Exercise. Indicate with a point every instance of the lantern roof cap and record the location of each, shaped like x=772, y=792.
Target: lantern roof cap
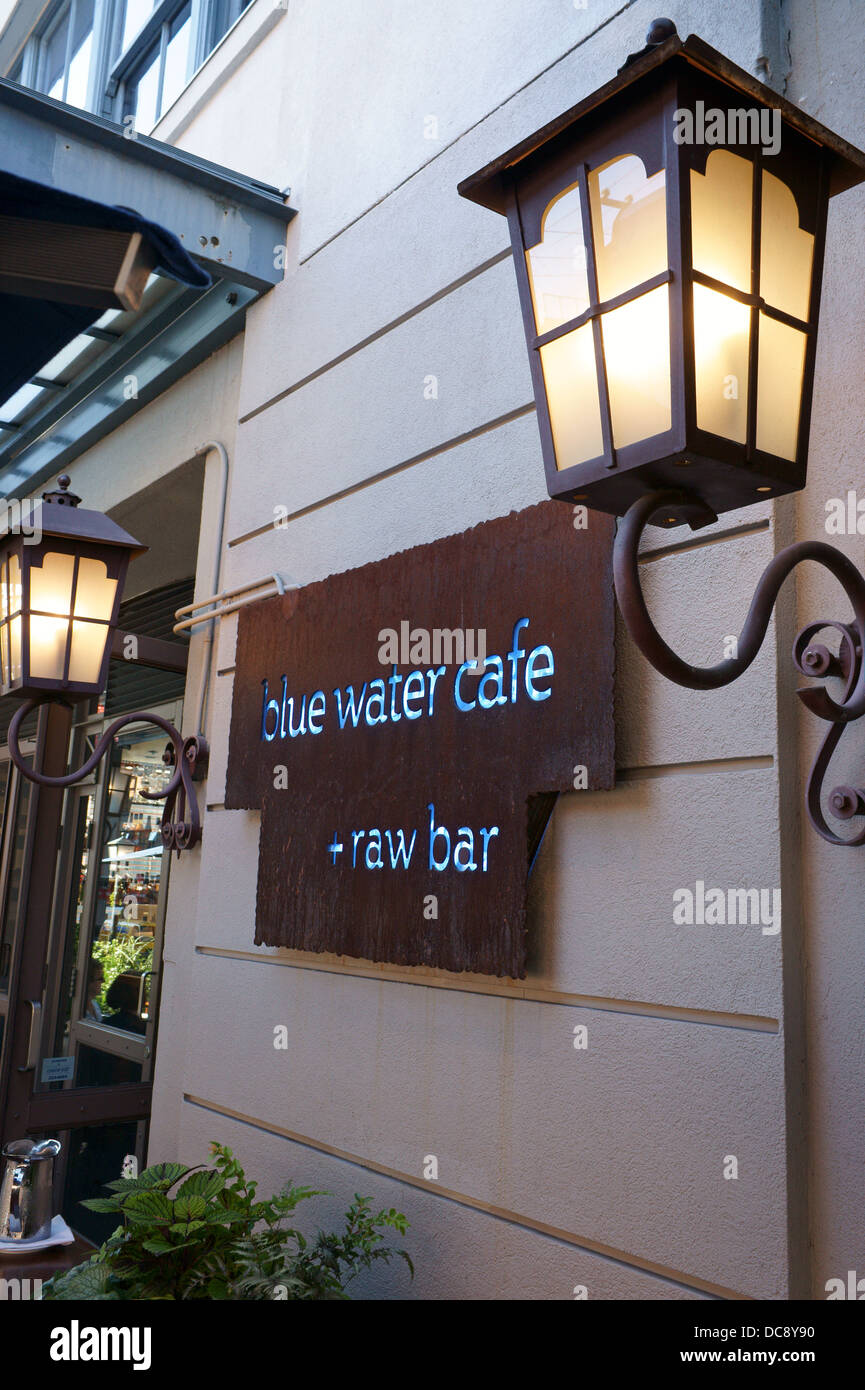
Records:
x=847, y=167
x=60, y=516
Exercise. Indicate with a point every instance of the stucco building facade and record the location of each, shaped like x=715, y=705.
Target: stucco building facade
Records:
x=378, y=397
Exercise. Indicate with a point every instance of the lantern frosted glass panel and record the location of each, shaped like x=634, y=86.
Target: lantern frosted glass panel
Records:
x=51, y=584
x=48, y=647
x=636, y=340
x=722, y=329
x=779, y=387
x=50, y=594
x=786, y=251
x=571, y=382
x=86, y=651
x=629, y=224
x=557, y=264
x=721, y=202
x=94, y=591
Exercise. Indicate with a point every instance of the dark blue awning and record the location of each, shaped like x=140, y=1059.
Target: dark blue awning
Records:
x=33, y=330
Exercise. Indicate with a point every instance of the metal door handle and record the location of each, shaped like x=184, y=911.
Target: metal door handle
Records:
x=142, y=989
x=35, y=1034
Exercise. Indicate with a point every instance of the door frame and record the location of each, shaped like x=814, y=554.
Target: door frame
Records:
x=40, y=933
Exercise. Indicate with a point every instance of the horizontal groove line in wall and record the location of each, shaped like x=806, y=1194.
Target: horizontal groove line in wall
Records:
x=756, y=762
x=391, y=472
x=748, y=528
x=609, y=19
x=379, y=333
x=227, y=671
x=591, y=1247
x=523, y=994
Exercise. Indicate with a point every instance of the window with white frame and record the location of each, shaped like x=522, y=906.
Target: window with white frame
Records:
x=125, y=59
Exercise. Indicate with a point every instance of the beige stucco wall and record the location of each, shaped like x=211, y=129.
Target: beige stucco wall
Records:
x=557, y=1168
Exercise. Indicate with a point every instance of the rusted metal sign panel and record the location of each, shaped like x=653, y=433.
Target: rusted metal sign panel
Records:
x=393, y=776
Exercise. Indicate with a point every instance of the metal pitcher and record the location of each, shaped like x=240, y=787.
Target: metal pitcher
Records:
x=27, y=1189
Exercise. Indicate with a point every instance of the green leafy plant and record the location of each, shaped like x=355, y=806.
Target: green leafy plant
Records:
x=122, y=954
x=200, y=1233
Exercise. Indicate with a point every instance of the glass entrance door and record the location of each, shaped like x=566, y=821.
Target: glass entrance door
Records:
x=108, y=1023
x=83, y=886
x=99, y=1040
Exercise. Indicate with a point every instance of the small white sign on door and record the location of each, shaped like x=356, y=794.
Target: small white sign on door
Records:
x=58, y=1068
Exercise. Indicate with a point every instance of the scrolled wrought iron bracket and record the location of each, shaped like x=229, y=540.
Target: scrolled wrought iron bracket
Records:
x=810, y=657
x=181, y=823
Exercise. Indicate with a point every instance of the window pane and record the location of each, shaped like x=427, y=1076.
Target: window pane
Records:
x=145, y=95
x=54, y=59
x=225, y=12
x=82, y=48
x=79, y=72
x=135, y=16
x=176, y=59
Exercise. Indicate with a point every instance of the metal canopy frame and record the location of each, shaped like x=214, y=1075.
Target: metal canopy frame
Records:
x=231, y=224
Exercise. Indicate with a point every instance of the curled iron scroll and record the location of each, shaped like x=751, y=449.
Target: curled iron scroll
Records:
x=814, y=659
x=811, y=658
x=181, y=824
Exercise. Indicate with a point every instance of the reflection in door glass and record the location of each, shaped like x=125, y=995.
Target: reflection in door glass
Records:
x=127, y=895
x=77, y=884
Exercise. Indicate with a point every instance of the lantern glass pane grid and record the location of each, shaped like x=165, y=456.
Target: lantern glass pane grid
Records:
x=722, y=212
x=59, y=599
x=686, y=182
x=572, y=281
x=71, y=603
x=10, y=621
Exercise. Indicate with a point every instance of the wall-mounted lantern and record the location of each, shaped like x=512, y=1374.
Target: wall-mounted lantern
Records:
x=61, y=584
x=668, y=239
x=60, y=598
